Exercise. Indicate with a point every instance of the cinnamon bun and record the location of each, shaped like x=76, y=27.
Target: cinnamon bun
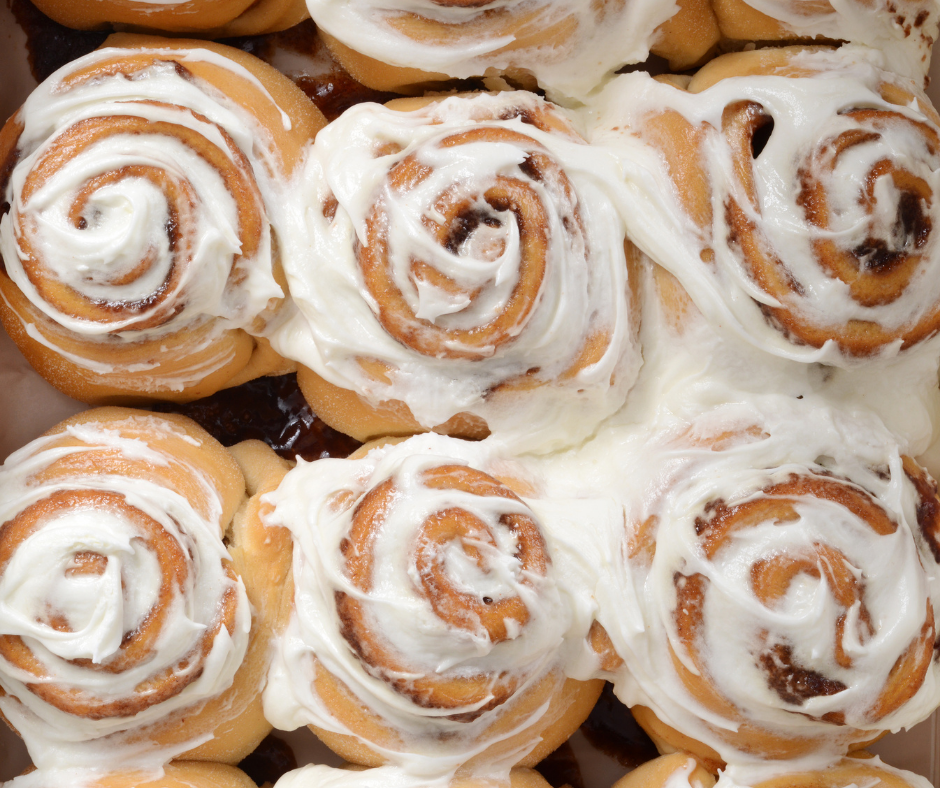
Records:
x=125, y=624
x=427, y=628
x=796, y=189
x=469, y=275
x=903, y=31
x=145, y=222
x=566, y=47
x=819, y=541
x=210, y=18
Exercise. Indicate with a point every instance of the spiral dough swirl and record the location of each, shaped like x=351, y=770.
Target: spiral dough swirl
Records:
x=145, y=226
x=473, y=263
x=120, y=606
x=423, y=584
x=811, y=185
x=827, y=649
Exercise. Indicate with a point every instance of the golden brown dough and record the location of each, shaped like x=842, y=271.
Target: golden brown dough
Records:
x=380, y=703
x=155, y=495
x=169, y=299
x=210, y=18
x=541, y=35
x=440, y=342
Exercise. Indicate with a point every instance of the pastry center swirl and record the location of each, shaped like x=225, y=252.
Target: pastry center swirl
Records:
x=114, y=212
x=787, y=566
x=455, y=260
x=476, y=565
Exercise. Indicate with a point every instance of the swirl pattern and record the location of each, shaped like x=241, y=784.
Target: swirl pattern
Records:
x=497, y=619
x=789, y=542
x=121, y=607
x=904, y=30
x=423, y=592
x=813, y=232
x=567, y=47
x=144, y=233
x=497, y=292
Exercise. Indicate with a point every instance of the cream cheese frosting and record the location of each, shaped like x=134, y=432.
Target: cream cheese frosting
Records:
x=160, y=229
x=655, y=456
x=819, y=651
x=904, y=31
x=841, y=99
x=492, y=320
x=75, y=621
x=698, y=383
x=588, y=40
x=496, y=558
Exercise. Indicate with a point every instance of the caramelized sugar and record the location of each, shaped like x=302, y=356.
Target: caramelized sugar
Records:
x=272, y=759
x=268, y=409
x=612, y=730
x=49, y=45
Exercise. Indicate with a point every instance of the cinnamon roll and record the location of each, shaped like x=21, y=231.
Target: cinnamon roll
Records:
x=811, y=533
x=567, y=47
x=145, y=220
x=125, y=624
x=865, y=770
x=212, y=19
x=358, y=777
x=469, y=275
x=179, y=774
x=428, y=628
x=796, y=188
x=903, y=30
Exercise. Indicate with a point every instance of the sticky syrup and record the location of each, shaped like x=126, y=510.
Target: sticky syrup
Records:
x=299, y=53
x=49, y=45
x=611, y=729
x=270, y=761
x=269, y=409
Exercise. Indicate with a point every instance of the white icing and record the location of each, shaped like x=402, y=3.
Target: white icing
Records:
x=125, y=220
x=806, y=111
x=887, y=26
x=433, y=745
x=681, y=777
x=100, y=608
x=591, y=498
x=584, y=289
x=317, y=776
x=736, y=776
x=603, y=37
x=705, y=378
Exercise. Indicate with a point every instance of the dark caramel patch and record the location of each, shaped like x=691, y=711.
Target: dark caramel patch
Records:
x=270, y=409
x=793, y=683
x=49, y=45
x=465, y=225
x=611, y=729
x=272, y=759
x=531, y=169
x=761, y=136
x=522, y=113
